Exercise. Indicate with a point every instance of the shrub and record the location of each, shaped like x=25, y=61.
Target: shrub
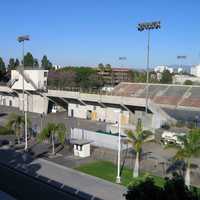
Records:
x=173, y=189
x=5, y=131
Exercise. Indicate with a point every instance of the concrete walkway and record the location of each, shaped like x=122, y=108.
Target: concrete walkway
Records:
x=80, y=181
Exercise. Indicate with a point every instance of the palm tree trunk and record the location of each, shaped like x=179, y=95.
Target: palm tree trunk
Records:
x=53, y=145
x=136, y=167
x=187, y=174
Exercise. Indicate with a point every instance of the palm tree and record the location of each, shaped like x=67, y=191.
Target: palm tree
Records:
x=16, y=124
x=137, y=138
x=52, y=131
x=189, y=148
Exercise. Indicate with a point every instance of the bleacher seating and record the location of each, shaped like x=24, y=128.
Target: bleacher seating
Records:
x=172, y=95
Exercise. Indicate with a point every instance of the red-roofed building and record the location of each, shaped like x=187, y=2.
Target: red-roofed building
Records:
x=113, y=76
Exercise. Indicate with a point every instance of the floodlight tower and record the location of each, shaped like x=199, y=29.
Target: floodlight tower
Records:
x=143, y=27
x=122, y=58
x=181, y=58
x=22, y=39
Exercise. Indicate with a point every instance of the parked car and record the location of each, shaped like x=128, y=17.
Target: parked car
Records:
x=169, y=137
x=54, y=109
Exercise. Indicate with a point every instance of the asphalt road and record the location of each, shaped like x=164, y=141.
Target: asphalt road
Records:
x=61, y=117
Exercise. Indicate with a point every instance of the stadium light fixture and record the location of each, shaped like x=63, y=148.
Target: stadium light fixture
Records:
x=22, y=39
x=148, y=26
x=181, y=57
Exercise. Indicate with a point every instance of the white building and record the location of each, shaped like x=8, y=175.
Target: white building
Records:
x=57, y=67
x=35, y=86
x=195, y=70
x=162, y=68
x=33, y=79
x=81, y=147
x=180, y=79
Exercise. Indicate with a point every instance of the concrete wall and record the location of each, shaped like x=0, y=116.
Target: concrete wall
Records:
x=8, y=100
x=37, y=76
x=98, y=113
x=35, y=103
x=98, y=139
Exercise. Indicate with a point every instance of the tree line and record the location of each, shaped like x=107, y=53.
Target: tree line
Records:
x=29, y=62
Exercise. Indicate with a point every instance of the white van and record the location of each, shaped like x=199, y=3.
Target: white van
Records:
x=54, y=109
x=169, y=137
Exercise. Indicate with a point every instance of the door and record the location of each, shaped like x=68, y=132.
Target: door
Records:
x=72, y=113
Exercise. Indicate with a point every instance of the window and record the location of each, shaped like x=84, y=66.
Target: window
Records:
x=45, y=74
x=94, y=108
x=10, y=103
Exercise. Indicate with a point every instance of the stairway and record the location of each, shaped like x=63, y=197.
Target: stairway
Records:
x=27, y=78
x=12, y=82
x=157, y=109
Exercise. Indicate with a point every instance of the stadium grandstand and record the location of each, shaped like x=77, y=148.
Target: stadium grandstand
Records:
x=180, y=101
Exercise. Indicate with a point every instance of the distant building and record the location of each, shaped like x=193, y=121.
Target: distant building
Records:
x=57, y=67
x=180, y=69
x=113, y=76
x=162, y=68
x=180, y=79
x=195, y=70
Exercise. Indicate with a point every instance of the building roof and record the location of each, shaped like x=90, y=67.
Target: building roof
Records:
x=121, y=69
x=80, y=142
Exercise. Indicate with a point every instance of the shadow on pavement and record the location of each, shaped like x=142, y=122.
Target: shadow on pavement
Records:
x=19, y=178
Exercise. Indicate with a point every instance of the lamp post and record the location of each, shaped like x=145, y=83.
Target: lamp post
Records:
x=142, y=27
x=22, y=39
x=182, y=57
x=122, y=58
x=118, y=178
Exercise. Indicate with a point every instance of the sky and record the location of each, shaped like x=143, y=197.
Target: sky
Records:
x=89, y=32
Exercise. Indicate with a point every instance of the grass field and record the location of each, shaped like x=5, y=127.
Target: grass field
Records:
x=106, y=170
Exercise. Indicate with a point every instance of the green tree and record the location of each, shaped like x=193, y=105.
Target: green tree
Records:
x=108, y=67
x=16, y=124
x=28, y=60
x=51, y=132
x=46, y=64
x=5, y=131
x=173, y=189
x=190, y=148
x=17, y=63
x=11, y=64
x=137, y=138
x=139, y=77
x=188, y=82
x=166, y=77
x=101, y=67
x=36, y=64
x=2, y=69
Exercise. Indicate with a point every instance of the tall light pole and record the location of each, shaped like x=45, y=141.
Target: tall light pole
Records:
x=118, y=178
x=122, y=58
x=22, y=39
x=182, y=57
x=142, y=27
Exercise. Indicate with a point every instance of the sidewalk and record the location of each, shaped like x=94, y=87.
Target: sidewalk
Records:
x=80, y=181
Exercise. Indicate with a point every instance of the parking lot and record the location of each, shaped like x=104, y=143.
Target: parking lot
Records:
x=39, y=121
